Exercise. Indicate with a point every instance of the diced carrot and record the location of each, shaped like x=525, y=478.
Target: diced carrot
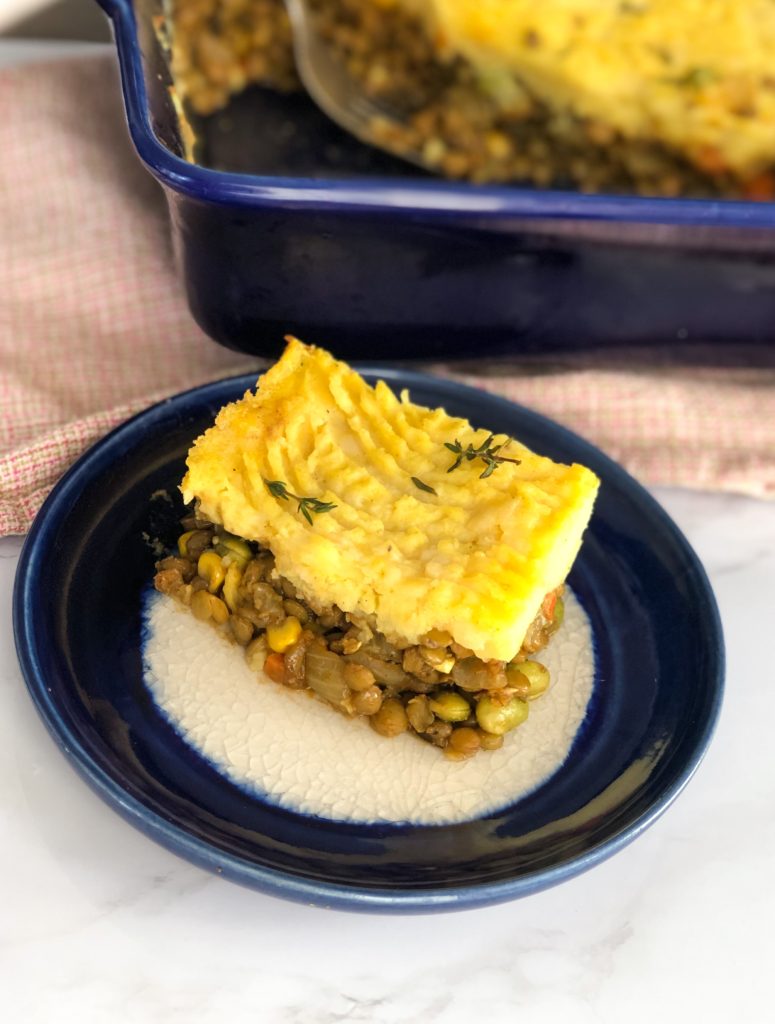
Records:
x=761, y=188
x=711, y=160
x=549, y=604
x=274, y=666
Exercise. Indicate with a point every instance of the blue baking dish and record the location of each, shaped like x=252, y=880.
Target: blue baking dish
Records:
x=377, y=261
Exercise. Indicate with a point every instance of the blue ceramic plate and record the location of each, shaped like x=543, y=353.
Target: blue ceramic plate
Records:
x=659, y=648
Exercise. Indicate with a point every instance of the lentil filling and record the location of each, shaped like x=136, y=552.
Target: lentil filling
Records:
x=436, y=690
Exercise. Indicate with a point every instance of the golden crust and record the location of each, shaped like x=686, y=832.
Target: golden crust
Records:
x=474, y=558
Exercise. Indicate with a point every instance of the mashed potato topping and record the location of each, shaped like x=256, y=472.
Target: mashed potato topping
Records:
x=403, y=540
x=695, y=75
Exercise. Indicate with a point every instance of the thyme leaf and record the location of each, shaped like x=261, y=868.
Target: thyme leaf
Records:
x=695, y=78
x=487, y=452
x=277, y=489
x=309, y=505
x=306, y=505
x=422, y=485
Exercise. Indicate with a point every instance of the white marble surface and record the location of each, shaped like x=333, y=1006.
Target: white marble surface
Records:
x=99, y=924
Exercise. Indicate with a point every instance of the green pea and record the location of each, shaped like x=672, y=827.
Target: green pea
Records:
x=498, y=718
x=450, y=707
x=537, y=676
x=517, y=681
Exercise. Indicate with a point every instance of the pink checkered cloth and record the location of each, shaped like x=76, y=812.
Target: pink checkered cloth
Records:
x=94, y=325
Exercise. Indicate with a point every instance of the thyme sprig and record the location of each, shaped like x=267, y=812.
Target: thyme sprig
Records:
x=487, y=451
x=279, y=489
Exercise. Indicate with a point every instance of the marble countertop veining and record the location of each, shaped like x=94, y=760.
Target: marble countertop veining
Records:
x=98, y=923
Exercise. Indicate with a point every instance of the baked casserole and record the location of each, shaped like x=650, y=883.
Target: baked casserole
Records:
x=388, y=557
x=661, y=97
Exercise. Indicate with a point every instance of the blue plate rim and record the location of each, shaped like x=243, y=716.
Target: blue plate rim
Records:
x=278, y=883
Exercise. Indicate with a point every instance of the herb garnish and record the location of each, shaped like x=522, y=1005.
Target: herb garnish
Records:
x=695, y=78
x=306, y=506
x=486, y=451
x=422, y=485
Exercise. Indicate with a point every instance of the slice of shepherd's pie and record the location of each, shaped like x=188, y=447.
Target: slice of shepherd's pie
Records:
x=388, y=557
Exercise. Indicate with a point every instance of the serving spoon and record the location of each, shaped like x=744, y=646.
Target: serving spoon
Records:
x=334, y=91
